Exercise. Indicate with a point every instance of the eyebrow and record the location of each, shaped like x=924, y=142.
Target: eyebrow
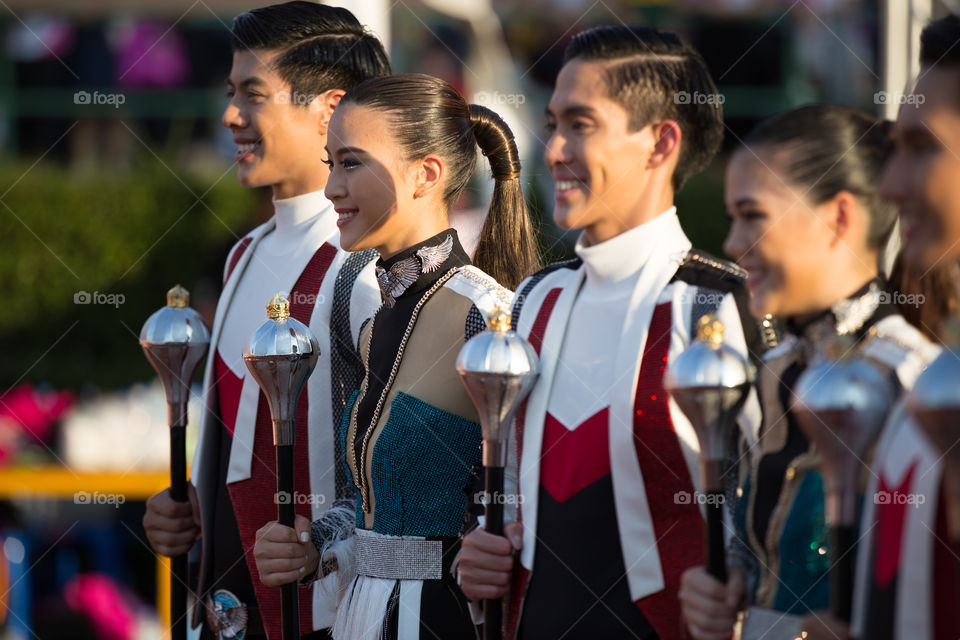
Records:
x=743, y=202
x=247, y=82
x=342, y=150
x=573, y=110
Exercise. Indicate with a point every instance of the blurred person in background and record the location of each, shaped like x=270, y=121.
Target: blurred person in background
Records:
x=908, y=567
x=810, y=227
x=292, y=63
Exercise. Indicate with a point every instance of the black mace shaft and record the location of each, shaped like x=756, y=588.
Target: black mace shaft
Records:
x=178, y=565
x=716, y=554
x=841, y=582
x=493, y=516
x=286, y=515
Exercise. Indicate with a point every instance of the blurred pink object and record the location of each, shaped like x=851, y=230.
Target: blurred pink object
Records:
x=150, y=55
x=99, y=599
x=35, y=411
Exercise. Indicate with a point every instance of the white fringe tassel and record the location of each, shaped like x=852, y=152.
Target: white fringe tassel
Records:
x=361, y=611
x=337, y=550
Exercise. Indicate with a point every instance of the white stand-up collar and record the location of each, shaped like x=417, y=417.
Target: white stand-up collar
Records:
x=293, y=216
x=622, y=256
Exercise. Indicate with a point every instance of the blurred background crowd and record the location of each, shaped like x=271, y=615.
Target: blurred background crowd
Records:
x=117, y=181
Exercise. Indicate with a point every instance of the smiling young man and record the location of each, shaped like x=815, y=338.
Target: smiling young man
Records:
x=609, y=514
x=291, y=64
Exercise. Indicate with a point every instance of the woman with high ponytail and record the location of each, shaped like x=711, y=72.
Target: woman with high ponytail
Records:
x=811, y=227
x=507, y=248
x=401, y=149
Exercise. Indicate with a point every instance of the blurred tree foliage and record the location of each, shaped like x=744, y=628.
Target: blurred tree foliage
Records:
x=701, y=211
x=133, y=234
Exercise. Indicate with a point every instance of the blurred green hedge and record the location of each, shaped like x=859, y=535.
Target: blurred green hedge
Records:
x=134, y=234
x=701, y=210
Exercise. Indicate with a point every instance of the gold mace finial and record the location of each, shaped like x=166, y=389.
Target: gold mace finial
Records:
x=178, y=297
x=499, y=320
x=710, y=329
x=279, y=308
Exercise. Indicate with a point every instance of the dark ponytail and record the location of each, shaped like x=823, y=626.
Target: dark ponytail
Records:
x=427, y=115
x=507, y=249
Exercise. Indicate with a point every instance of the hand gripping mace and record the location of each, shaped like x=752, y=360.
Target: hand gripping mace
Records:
x=498, y=368
x=175, y=341
x=281, y=355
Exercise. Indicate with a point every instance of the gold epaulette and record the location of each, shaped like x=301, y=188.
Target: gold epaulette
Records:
x=699, y=258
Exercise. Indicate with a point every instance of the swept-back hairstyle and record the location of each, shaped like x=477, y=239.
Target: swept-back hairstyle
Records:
x=656, y=76
x=427, y=115
x=939, y=43
x=828, y=149
x=322, y=48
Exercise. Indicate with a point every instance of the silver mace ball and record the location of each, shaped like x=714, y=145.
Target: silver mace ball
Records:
x=934, y=402
x=841, y=402
x=281, y=354
x=498, y=368
x=710, y=382
x=175, y=341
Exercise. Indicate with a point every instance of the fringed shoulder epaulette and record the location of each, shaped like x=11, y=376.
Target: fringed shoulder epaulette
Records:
x=704, y=270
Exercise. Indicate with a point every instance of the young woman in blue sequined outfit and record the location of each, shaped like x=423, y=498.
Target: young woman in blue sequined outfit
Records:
x=400, y=151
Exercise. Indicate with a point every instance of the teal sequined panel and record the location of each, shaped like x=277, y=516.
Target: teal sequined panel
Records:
x=422, y=463
x=805, y=552
x=344, y=428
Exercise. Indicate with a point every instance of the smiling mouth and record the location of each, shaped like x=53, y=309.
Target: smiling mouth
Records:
x=343, y=217
x=755, y=277
x=245, y=149
x=564, y=188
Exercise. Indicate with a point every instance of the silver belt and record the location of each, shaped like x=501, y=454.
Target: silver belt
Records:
x=397, y=557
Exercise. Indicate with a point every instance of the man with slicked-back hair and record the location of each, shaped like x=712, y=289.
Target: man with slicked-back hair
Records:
x=608, y=501
x=291, y=64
